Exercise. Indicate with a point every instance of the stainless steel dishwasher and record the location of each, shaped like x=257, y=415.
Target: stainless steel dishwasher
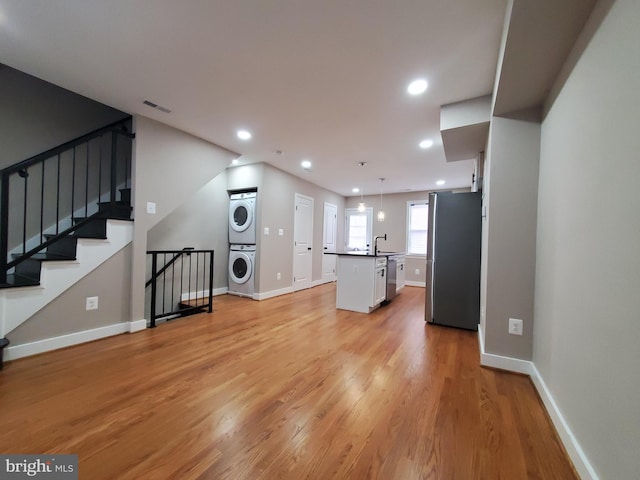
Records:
x=392, y=263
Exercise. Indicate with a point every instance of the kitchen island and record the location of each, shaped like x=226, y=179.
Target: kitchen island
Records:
x=362, y=280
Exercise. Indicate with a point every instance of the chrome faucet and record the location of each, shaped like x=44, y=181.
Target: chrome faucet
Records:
x=375, y=243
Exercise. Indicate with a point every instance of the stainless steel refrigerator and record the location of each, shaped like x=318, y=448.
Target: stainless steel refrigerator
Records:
x=453, y=259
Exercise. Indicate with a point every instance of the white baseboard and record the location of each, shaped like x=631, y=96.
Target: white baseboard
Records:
x=568, y=439
x=272, y=293
x=411, y=283
x=501, y=362
x=54, y=343
x=137, y=325
x=322, y=281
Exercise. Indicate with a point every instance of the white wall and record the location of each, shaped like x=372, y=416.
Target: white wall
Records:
x=587, y=291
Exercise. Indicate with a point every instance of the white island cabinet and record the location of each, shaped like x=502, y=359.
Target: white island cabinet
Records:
x=361, y=282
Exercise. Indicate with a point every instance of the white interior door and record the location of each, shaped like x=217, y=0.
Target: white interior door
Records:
x=329, y=236
x=302, y=242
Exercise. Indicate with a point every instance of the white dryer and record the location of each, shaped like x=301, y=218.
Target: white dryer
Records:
x=242, y=218
x=242, y=259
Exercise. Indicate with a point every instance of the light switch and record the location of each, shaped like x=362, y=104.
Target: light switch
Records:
x=151, y=208
x=281, y=231
x=266, y=230
x=91, y=303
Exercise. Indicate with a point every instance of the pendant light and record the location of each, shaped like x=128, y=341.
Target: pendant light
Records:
x=381, y=212
x=361, y=206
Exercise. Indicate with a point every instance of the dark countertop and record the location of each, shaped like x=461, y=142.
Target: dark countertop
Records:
x=363, y=253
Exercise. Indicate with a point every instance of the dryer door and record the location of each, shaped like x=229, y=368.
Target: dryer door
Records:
x=240, y=267
x=240, y=215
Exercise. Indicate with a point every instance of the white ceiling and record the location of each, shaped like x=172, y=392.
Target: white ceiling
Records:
x=323, y=80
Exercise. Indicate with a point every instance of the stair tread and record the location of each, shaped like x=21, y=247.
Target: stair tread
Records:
x=47, y=256
x=51, y=235
x=15, y=281
x=119, y=203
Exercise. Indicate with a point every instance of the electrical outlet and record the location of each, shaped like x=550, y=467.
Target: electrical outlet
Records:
x=515, y=326
x=278, y=276
x=417, y=271
x=266, y=230
x=92, y=303
x=281, y=231
x=151, y=208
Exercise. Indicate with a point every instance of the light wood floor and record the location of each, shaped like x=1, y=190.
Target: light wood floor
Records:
x=287, y=388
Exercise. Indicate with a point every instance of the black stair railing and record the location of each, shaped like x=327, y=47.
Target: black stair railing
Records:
x=55, y=193
x=181, y=283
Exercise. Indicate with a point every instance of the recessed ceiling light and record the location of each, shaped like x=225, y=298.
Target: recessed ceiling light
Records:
x=417, y=86
x=234, y=161
x=306, y=164
x=440, y=182
x=355, y=189
x=426, y=143
x=362, y=164
x=243, y=134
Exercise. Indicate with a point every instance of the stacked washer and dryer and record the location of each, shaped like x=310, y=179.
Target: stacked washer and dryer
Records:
x=242, y=243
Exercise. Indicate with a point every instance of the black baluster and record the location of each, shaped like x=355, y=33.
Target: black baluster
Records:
x=154, y=267
x=211, y=281
x=4, y=227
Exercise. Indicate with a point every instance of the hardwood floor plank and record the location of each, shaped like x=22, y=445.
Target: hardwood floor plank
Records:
x=287, y=388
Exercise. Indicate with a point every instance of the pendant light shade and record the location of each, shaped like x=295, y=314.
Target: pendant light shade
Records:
x=361, y=206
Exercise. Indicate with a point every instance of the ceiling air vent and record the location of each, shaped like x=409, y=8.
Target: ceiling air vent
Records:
x=155, y=105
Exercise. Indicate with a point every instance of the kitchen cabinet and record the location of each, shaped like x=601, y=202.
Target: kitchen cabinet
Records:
x=361, y=282
x=380, y=283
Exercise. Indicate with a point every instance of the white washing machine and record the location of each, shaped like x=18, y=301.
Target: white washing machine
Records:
x=242, y=218
x=242, y=260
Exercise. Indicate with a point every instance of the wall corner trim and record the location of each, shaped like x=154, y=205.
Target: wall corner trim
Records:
x=137, y=325
x=568, y=439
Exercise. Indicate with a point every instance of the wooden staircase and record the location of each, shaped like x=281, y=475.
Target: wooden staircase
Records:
x=27, y=273
x=42, y=200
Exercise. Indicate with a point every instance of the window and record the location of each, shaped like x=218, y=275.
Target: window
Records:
x=359, y=227
x=417, y=226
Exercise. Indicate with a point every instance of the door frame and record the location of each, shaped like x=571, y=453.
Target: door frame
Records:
x=310, y=283
x=326, y=279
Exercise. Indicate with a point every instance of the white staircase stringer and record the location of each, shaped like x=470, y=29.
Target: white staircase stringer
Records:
x=19, y=304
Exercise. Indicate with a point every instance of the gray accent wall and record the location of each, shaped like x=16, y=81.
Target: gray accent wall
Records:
x=509, y=254
x=36, y=115
x=200, y=222
x=587, y=301
x=110, y=282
